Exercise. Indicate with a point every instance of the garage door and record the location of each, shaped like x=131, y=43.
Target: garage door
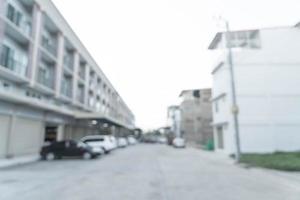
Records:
x=4, y=124
x=27, y=136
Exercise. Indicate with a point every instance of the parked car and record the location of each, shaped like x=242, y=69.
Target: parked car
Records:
x=131, y=140
x=68, y=148
x=114, y=142
x=103, y=142
x=162, y=140
x=149, y=139
x=170, y=138
x=179, y=142
x=122, y=142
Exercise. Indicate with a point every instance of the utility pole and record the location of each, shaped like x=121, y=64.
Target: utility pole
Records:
x=235, y=109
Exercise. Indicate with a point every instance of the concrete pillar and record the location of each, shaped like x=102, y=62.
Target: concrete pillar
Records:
x=60, y=62
x=75, y=75
x=60, y=133
x=42, y=132
x=113, y=130
x=87, y=85
x=37, y=27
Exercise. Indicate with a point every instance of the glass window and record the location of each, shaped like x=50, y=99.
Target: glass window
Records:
x=216, y=106
x=10, y=12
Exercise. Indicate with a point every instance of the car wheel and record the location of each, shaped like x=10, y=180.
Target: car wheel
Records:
x=50, y=156
x=105, y=151
x=87, y=156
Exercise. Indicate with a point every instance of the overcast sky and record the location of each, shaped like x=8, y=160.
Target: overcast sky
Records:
x=152, y=49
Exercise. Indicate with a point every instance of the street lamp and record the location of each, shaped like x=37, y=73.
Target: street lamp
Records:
x=234, y=109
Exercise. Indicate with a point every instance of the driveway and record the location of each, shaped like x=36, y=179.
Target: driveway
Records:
x=147, y=172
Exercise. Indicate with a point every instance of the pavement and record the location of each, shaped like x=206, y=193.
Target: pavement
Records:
x=10, y=162
x=147, y=172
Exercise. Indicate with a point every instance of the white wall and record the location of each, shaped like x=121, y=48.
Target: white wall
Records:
x=268, y=93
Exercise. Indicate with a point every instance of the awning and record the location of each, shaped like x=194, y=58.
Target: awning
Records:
x=102, y=118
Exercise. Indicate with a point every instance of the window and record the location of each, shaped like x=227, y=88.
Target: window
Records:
x=10, y=12
x=245, y=39
x=45, y=75
x=93, y=140
x=13, y=15
x=216, y=106
x=80, y=93
x=66, y=86
x=7, y=57
x=196, y=93
x=81, y=71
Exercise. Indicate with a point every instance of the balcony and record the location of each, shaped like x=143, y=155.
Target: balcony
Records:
x=18, y=24
x=66, y=87
x=12, y=68
x=45, y=78
x=81, y=71
x=80, y=94
x=68, y=62
x=49, y=44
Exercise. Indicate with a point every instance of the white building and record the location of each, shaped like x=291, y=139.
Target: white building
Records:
x=50, y=86
x=267, y=76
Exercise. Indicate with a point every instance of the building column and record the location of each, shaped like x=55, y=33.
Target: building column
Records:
x=37, y=27
x=87, y=85
x=59, y=63
x=60, y=133
x=113, y=130
x=75, y=75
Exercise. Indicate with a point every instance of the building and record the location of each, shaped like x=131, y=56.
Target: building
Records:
x=196, y=116
x=192, y=118
x=266, y=68
x=173, y=118
x=50, y=86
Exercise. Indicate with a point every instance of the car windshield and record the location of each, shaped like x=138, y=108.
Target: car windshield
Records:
x=94, y=140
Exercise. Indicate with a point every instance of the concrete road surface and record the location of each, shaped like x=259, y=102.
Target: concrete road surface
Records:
x=147, y=172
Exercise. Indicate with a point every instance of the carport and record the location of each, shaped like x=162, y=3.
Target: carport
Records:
x=94, y=123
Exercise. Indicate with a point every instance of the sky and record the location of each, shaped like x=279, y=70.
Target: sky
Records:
x=151, y=50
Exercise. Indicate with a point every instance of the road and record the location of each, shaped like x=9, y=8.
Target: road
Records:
x=147, y=172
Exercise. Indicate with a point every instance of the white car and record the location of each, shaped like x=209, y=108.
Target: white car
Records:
x=122, y=142
x=114, y=142
x=179, y=142
x=162, y=140
x=132, y=140
x=103, y=142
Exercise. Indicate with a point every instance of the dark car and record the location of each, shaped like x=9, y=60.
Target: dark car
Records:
x=68, y=148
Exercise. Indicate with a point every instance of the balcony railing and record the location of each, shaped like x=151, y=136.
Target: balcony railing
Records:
x=68, y=62
x=80, y=96
x=81, y=73
x=48, y=45
x=13, y=64
x=66, y=88
x=45, y=77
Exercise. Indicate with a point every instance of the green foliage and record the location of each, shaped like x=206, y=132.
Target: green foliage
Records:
x=279, y=160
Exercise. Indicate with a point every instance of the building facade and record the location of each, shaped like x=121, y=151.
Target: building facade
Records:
x=266, y=68
x=174, y=119
x=50, y=86
x=196, y=116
